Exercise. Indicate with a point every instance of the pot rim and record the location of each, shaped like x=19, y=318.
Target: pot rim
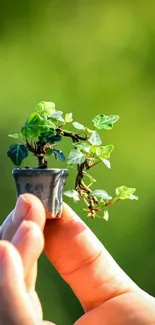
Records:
x=45, y=171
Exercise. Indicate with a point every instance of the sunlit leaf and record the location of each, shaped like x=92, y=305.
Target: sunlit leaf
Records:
x=35, y=125
x=106, y=215
x=17, y=136
x=83, y=146
x=103, y=122
x=68, y=117
x=17, y=152
x=100, y=194
x=76, y=157
x=93, y=149
x=124, y=193
x=57, y=116
x=59, y=154
x=72, y=194
x=78, y=126
x=45, y=108
x=107, y=163
x=95, y=139
x=104, y=151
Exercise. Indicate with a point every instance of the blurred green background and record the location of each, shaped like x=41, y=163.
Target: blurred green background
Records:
x=88, y=57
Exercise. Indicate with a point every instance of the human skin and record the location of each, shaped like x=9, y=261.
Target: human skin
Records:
x=107, y=294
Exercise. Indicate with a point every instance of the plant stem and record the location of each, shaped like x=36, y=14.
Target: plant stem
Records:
x=85, y=187
x=113, y=201
x=75, y=137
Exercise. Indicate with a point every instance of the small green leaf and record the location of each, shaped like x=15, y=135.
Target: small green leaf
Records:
x=17, y=136
x=124, y=193
x=72, y=194
x=68, y=117
x=100, y=194
x=106, y=215
x=45, y=108
x=107, y=163
x=76, y=157
x=104, y=151
x=91, y=178
x=83, y=146
x=78, y=126
x=103, y=122
x=101, y=204
x=35, y=125
x=93, y=149
x=48, y=152
x=95, y=139
x=59, y=154
x=89, y=130
x=17, y=152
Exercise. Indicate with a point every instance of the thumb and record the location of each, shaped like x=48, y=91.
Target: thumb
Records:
x=15, y=308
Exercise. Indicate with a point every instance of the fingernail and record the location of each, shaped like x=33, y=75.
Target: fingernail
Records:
x=21, y=209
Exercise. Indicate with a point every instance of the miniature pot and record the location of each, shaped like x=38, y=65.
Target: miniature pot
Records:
x=46, y=184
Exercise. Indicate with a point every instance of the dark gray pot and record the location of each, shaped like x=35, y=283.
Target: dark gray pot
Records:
x=46, y=184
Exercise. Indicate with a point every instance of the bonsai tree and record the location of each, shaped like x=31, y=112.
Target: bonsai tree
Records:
x=42, y=134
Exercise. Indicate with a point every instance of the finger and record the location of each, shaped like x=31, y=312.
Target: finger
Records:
x=46, y=322
x=29, y=241
x=6, y=222
x=28, y=207
x=15, y=308
x=82, y=260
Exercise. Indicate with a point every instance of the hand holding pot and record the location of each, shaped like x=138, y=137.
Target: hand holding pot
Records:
x=106, y=293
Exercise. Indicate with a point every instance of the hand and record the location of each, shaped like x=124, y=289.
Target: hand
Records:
x=107, y=294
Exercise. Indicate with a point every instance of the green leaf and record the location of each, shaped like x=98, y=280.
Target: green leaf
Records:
x=59, y=154
x=17, y=152
x=45, y=108
x=124, y=193
x=35, y=125
x=95, y=139
x=106, y=162
x=106, y=215
x=72, y=194
x=76, y=157
x=83, y=146
x=17, y=136
x=49, y=137
x=91, y=178
x=68, y=117
x=103, y=122
x=104, y=152
x=101, y=194
x=78, y=126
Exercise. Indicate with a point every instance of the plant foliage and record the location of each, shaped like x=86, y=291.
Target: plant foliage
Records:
x=45, y=128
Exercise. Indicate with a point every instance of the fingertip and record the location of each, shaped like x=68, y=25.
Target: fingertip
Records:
x=68, y=213
x=29, y=207
x=33, y=201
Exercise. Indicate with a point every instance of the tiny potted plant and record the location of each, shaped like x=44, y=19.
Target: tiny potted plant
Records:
x=41, y=135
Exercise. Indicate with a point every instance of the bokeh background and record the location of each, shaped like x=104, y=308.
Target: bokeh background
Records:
x=89, y=57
